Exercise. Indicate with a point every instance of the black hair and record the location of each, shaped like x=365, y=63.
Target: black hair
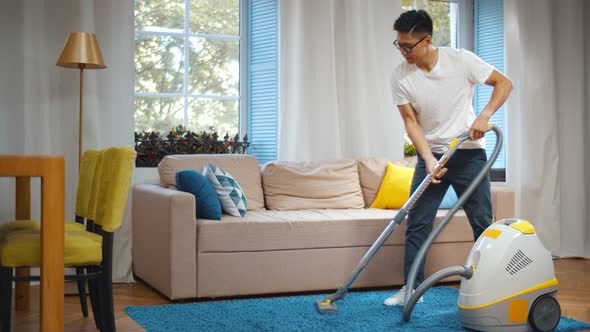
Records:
x=414, y=21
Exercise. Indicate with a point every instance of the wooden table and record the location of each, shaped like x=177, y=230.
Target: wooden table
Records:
x=51, y=171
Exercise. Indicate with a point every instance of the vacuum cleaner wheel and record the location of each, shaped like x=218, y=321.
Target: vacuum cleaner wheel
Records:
x=545, y=313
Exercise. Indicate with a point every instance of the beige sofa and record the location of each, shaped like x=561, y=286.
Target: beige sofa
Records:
x=307, y=226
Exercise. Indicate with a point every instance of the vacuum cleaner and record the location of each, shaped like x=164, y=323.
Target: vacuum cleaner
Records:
x=508, y=282
x=513, y=282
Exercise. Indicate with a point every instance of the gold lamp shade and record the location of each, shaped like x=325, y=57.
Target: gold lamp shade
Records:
x=81, y=51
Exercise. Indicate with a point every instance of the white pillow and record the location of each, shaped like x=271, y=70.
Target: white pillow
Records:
x=231, y=195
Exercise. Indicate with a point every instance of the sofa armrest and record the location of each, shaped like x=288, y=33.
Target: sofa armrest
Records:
x=503, y=203
x=165, y=240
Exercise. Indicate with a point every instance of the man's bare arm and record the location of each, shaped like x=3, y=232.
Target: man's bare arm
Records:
x=502, y=87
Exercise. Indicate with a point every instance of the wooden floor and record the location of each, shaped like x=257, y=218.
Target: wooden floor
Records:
x=573, y=296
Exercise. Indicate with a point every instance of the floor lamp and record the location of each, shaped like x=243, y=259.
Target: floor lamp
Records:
x=81, y=51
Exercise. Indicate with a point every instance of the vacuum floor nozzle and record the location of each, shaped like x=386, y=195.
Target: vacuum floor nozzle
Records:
x=326, y=307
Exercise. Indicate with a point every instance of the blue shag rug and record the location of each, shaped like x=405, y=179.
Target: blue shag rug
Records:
x=358, y=311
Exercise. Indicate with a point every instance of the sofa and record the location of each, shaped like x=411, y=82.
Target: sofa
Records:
x=307, y=226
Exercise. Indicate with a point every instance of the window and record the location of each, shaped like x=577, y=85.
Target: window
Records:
x=187, y=65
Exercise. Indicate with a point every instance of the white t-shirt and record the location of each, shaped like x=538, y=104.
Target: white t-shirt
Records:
x=443, y=97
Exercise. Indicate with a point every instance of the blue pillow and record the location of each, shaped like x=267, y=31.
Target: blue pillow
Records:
x=449, y=200
x=191, y=181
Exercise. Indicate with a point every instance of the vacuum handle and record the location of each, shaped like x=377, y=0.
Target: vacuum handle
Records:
x=457, y=141
x=453, y=147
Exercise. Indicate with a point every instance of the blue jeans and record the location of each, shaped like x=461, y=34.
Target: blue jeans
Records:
x=462, y=167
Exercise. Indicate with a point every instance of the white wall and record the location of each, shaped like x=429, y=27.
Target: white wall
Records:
x=39, y=101
x=11, y=95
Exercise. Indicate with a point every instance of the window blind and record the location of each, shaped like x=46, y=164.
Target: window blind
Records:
x=488, y=32
x=263, y=51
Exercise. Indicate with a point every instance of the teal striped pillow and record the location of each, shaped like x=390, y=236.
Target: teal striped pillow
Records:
x=231, y=195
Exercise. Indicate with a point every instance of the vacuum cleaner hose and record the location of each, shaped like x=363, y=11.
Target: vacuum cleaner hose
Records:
x=420, y=256
x=463, y=271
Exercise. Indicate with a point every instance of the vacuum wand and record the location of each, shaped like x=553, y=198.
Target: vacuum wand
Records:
x=327, y=305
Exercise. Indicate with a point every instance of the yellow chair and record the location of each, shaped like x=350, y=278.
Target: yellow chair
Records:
x=88, y=167
x=91, y=249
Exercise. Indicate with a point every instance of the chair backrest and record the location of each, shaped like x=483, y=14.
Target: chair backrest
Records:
x=88, y=167
x=96, y=182
x=115, y=176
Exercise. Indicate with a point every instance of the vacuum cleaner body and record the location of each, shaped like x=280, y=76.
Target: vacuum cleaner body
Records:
x=513, y=287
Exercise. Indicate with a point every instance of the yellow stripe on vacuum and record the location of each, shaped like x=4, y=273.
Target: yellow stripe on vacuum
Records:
x=492, y=233
x=546, y=284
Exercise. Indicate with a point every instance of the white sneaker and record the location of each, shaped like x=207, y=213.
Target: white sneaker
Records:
x=398, y=298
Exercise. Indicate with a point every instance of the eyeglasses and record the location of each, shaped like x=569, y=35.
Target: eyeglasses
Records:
x=407, y=48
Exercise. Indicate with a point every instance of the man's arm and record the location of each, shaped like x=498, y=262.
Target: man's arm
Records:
x=502, y=87
x=417, y=136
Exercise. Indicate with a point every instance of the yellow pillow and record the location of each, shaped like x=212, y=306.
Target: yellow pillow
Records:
x=395, y=187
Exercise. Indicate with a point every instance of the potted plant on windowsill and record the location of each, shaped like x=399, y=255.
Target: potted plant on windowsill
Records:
x=409, y=148
x=151, y=147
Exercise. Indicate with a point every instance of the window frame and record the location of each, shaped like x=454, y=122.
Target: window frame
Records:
x=465, y=24
x=243, y=109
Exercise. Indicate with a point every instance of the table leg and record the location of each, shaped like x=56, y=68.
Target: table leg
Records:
x=22, y=292
x=52, y=248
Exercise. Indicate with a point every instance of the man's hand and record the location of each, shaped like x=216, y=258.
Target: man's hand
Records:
x=479, y=127
x=430, y=163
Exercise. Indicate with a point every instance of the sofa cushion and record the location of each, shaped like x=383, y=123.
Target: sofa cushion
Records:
x=207, y=202
x=395, y=187
x=312, y=185
x=244, y=168
x=233, y=200
x=285, y=230
x=371, y=172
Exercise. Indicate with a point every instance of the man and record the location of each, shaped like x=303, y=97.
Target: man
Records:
x=433, y=90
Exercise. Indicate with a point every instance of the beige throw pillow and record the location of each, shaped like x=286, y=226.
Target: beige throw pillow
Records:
x=312, y=185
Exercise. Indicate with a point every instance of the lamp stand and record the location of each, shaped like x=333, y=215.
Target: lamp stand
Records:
x=81, y=116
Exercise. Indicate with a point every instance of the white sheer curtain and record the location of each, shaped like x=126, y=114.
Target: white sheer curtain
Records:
x=547, y=116
x=39, y=101
x=336, y=60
